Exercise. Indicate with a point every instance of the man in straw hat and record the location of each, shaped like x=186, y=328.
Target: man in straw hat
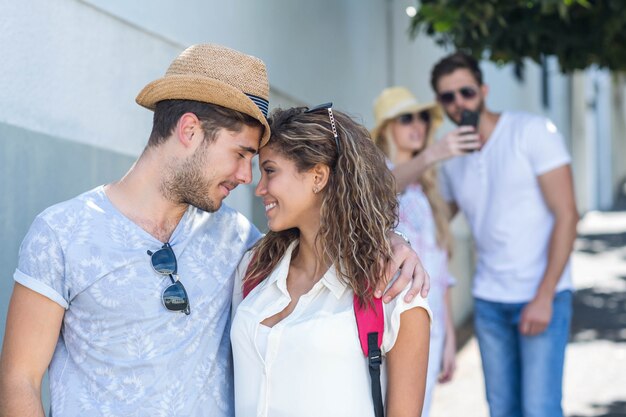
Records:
x=125, y=290
x=518, y=197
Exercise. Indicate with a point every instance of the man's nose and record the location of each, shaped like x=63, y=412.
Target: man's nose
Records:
x=458, y=99
x=244, y=175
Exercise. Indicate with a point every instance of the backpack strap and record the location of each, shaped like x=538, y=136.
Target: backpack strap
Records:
x=371, y=324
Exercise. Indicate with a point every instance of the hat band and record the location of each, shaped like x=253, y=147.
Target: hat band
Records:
x=399, y=107
x=261, y=103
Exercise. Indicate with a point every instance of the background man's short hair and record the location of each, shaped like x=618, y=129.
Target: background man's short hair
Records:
x=453, y=62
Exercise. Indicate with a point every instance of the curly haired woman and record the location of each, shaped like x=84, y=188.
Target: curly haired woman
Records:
x=330, y=201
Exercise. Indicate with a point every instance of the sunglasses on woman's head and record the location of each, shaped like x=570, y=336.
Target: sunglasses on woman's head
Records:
x=448, y=97
x=174, y=297
x=408, y=118
x=329, y=108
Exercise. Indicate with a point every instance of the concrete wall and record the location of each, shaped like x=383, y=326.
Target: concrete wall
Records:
x=618, y=121
x=598, y=123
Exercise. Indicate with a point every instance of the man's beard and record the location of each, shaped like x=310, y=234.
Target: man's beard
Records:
x=186, y=184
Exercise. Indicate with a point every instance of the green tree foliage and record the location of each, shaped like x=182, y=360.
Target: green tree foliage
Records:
x=578, y=32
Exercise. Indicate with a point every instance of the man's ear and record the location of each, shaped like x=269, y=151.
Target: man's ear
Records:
x=188, y=131
x=321, y=175
x=484, y=89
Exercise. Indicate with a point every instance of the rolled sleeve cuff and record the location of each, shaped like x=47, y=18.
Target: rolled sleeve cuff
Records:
x=39, y=287
x=392, y=318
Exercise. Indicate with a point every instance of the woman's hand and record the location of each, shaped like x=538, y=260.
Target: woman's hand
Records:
x=457, y=142
x=448, y=362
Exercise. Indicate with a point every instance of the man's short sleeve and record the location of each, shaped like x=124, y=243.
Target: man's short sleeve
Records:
x=41, y=264
x=545, y=146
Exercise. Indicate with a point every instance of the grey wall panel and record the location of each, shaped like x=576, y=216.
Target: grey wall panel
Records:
x=37, y=171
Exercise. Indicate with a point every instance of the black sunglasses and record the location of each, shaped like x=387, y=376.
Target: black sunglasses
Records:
x=329, y=108
x=174, y=297
x=408, y=118
x=447, y=97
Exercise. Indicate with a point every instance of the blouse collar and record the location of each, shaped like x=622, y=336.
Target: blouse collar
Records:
x=279, y=275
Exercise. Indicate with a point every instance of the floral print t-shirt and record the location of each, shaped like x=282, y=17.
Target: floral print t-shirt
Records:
x=120, y=351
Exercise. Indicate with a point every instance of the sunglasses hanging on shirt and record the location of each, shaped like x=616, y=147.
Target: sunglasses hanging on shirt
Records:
x=174, y=297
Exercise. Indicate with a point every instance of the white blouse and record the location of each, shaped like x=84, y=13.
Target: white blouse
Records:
x=311, y=362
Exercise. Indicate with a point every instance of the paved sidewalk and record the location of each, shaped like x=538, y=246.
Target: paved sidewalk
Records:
x=595, y=368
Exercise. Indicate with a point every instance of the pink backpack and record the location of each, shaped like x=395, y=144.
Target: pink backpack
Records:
x=370, y=323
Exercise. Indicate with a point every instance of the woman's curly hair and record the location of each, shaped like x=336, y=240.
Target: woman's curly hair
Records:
x=359, y=205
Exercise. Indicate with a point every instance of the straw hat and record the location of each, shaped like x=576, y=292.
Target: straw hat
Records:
x=395, y=101
x=217, y=75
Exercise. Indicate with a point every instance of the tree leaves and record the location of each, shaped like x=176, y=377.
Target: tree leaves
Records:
x=579, y=33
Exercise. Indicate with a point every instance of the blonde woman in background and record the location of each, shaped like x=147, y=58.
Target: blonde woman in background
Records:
x=404, y=132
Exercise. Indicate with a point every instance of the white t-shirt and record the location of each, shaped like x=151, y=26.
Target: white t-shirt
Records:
x=313, y=364
x=498, y=191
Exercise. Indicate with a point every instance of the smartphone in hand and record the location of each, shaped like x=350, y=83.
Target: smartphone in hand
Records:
x=469, y=118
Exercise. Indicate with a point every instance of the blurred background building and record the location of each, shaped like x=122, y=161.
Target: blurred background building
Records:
x=71, y=69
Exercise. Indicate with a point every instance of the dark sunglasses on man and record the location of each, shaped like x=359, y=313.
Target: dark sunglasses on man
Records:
x=447, y=97
x=163, y=262
x=408, y=118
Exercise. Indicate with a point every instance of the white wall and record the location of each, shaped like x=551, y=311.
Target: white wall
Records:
x=598, y=121
x=618, y=138
x=315, y=51
x=71, y=71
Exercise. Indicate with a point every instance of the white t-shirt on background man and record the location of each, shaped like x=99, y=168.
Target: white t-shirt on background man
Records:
x=498, y=191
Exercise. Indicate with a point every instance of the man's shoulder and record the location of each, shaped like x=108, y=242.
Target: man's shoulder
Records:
x=229, y=220
x=68, y=222
x=58, y=213
x=527, y=121
x=520, y=116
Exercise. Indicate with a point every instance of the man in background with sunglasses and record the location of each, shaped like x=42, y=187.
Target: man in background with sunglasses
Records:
x=517, y=194
x=125, y=290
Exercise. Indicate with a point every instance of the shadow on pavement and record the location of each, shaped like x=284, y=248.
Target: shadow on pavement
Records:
x=601, y=242
x=614, y=409
x=599, y=315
